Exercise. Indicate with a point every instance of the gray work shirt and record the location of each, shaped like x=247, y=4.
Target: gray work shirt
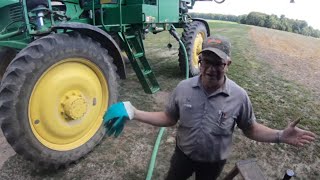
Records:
x=206, y=122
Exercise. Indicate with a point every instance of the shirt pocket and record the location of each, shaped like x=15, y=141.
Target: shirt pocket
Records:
x=223, y=124
x=191, y=113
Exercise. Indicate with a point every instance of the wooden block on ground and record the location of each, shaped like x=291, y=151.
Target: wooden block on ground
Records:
x=250, y=170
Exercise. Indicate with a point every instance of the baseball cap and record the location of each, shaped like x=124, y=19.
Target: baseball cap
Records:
x=219, y=45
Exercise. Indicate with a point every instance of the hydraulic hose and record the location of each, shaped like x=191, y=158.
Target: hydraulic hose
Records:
x=175, y=34
x=154, y=153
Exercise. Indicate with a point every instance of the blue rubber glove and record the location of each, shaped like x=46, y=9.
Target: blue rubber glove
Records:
x=116, y=117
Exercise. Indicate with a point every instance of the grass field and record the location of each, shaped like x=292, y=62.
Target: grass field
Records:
x=276, y=97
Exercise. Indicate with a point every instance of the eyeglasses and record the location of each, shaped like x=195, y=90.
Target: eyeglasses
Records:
x=215, y=64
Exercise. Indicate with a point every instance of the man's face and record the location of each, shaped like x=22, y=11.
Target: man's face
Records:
x=212, y=69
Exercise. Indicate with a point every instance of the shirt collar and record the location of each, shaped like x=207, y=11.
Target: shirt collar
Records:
x=195, y=81
x=224, y=89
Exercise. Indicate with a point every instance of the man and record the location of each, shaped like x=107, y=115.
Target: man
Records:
x=207, y=108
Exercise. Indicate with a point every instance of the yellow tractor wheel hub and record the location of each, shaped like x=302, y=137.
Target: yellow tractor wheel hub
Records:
x=67, y=104
x=197, y=48
x=74, y=106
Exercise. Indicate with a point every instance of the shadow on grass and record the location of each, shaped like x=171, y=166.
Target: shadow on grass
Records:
x=16, y=167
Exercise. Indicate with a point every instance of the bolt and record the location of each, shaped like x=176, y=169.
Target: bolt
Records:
x=37, y=121
x=94, y=101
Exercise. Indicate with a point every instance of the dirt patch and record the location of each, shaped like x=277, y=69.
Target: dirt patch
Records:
x=5, y=150
x=161, y=99
x=296, y=57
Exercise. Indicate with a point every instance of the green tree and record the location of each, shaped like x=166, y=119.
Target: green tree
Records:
x=242, y=19
x=272, y=21
x=256, y=18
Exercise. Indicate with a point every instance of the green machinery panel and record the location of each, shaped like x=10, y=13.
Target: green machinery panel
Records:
x=9, y=15
x=142, y=11
x=131, y=14
x=168, y=11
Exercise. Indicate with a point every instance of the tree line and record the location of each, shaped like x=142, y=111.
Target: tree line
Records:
x=264, y=20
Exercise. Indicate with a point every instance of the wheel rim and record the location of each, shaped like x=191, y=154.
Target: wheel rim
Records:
x=64, y=107
x=197, y=48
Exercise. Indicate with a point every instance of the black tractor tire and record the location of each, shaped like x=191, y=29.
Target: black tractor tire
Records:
x=219, y=1
x=20, y=80
x=6, y=56
x=189, y=36
x=120, y=43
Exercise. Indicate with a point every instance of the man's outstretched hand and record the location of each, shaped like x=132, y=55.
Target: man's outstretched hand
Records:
x=295, y=136
x=116, y=117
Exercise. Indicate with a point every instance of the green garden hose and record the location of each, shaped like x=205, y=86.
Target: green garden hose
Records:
x=161, y=131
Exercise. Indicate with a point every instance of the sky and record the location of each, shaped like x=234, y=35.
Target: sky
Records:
x=308, y=10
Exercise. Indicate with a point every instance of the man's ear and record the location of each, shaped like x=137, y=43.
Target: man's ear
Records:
x=226, y=68
x=229, y=62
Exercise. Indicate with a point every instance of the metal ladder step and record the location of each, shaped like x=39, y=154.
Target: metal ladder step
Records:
x=138, y=55
x=155, y=89
x=130, y=37
x=146, y=72
x=139, y=62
